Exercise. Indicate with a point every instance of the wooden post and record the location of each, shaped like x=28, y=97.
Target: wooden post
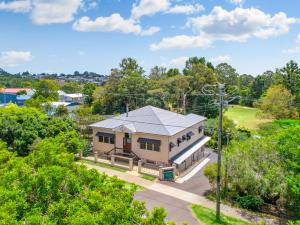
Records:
x=161, y=173
x=80, y=154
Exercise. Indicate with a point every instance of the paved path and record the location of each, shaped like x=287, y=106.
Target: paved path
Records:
x=178, y=211
x=173, y=192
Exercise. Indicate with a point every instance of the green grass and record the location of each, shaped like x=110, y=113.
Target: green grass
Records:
x=208, y=217
x=148, y=177
x=245, y=117
x=104, y=165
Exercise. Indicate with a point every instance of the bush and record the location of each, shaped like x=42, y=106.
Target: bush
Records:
x=250, y=202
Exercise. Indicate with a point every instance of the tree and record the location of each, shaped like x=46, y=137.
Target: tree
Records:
x=20, y=127
x=226, y=74
x=61, y=110
x=88, y=91
x=71, y=87
x=48, y=187
x=158, y=73
x=129, y=66
x=278, y=102
x=47, y=89
x=290, y=77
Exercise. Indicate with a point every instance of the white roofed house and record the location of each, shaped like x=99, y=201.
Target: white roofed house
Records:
x=153, y=135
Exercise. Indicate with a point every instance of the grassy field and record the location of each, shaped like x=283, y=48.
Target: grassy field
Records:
x=245, y=117
x=208, y=217
x=148, y=177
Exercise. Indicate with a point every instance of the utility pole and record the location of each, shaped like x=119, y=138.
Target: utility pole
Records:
x=221, y=95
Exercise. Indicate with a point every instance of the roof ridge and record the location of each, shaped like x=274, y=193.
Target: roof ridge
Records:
x=151, y=107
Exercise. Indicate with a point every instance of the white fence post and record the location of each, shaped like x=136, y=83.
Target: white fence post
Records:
x=112, y=160
x=95, y=156
x=140, y=166
x=130, y=164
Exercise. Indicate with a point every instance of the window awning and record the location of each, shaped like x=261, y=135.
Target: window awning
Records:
x=152, y=141
x=190, y=134
x=172, y=145
x=187, y=152
x=105, y=134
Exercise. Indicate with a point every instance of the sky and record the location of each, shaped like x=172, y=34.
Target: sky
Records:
x=61, y=36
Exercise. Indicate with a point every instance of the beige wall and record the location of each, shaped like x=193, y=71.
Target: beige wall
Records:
x=185, y=143
x=162, y=157
x=101, y=147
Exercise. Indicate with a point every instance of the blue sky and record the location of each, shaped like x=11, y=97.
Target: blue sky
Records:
x=68, y=35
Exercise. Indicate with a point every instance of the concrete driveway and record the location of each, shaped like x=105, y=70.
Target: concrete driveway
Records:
x=198, y=184
x=178, y=211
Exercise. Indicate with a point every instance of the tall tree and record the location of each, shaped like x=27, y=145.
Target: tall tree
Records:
x=226, y=74
x=130, y=65
x=278, y=103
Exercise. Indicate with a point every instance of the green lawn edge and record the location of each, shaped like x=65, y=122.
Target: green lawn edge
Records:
x=104, y=165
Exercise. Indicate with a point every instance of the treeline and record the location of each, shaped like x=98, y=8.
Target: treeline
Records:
x=182, y=90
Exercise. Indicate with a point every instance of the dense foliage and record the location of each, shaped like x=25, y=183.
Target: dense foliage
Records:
x=47, y=187
x=20, y=127
x=266, y=167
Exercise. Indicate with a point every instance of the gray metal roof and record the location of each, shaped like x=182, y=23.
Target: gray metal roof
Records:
x=152, y=120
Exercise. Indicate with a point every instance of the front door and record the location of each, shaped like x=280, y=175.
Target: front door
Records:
x=127, y=143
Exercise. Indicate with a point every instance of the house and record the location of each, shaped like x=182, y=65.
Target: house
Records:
x=77, y=98
x=154, y=135
x=15, y=95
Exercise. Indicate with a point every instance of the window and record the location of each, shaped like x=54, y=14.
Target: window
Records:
x=178, y=141
x=105, y=139
x=200, y=129
x=143, y=145
x=156, y=147
x=149, y=146
x=112, y=140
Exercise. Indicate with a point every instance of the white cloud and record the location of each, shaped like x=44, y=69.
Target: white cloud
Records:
x=45, y=11
x=13, y=58
x=241, y=24
x=237, y=25
x=185, y=9
x=181, y=42
x=149, y=8
x=115, y=22
x=178, y=62
x=150, y=31
x=56, y=11
x=16, y=6
x=221, y=58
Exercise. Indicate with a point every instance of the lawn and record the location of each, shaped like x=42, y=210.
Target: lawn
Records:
x=148, y=177
x=104, y=165
x=208, y=217
x=245, y=116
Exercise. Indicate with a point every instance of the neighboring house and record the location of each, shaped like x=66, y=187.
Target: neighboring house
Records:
x=11, y=95
x=77, y=98
x=153, y=135
x=51, y=107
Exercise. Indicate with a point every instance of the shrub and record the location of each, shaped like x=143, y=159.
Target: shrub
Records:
x=250, y=202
